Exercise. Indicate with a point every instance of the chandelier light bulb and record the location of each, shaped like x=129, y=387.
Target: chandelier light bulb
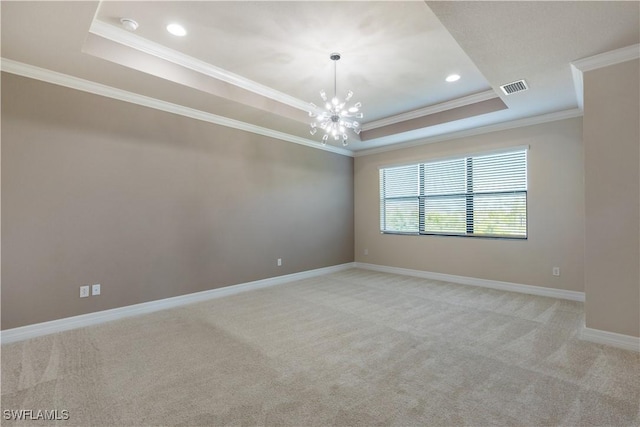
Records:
x=337, y=117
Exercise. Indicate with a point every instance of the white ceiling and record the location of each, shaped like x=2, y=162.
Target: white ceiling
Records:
x=261, y=63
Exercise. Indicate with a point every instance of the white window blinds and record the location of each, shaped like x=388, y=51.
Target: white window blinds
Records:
x=482, y=195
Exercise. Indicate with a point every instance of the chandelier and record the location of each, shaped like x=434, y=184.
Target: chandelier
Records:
x=336, y=117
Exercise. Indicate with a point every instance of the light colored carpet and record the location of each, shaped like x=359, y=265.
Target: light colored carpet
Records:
x=350, y=348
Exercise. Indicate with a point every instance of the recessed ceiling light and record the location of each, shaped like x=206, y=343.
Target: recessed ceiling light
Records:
x=453, y=78
x=176, y=30
x=129, y=24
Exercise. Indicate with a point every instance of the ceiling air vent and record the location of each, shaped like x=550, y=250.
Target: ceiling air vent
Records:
x=514, y=87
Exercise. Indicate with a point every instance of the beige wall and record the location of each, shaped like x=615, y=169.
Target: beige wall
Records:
x=555, y=213
x=152, y=205
x=612, y=198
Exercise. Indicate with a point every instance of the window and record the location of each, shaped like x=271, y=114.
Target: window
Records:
x=474, y=196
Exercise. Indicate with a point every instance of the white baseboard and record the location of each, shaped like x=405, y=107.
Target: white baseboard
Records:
x=484, y=283
x=626, y=342
x=613, y=339
x=39, y=329
x=59, y=325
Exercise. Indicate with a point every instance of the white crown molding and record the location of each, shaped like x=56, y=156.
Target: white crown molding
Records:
x=141, y=44
x=578, y=86
x=60, y=79
x=606, y=59
x=483, y=283
x=613, y=339
x=512, y=124
x=580, y=66
x=432, y=109
x=75, y=322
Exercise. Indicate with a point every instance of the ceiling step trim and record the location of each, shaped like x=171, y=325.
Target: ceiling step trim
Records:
x=601, y=60
x=60, y=79
x=141, y=44
x=512, y=124
x=431, y=109
x=606, y=59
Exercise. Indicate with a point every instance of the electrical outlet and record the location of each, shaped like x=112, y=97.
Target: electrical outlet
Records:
x=95, y=289
x=556, y=271
x=279, y=262
x=366, y=251
x=84, y=291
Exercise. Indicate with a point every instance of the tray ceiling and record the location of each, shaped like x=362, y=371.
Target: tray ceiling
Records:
x=261, y=63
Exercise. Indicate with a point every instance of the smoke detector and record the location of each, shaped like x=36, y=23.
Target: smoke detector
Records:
x=129, y=24
x=514, y=87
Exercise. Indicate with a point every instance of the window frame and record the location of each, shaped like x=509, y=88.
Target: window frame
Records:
x=468, y=196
